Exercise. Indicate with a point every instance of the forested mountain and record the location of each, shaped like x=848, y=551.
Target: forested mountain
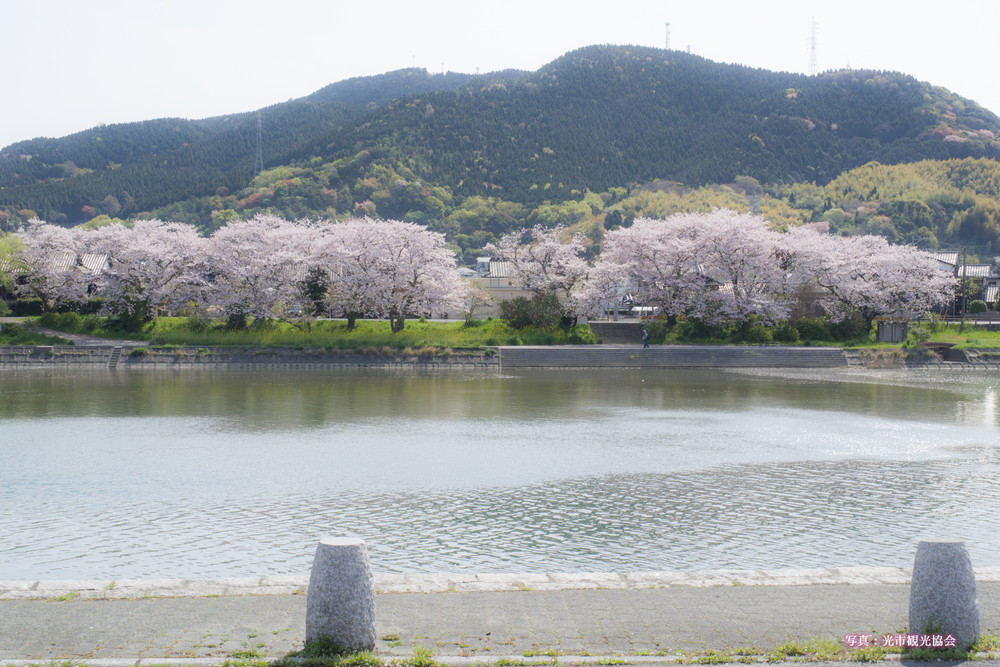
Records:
x=606, y=116
x=477, y=155
x=127, y=168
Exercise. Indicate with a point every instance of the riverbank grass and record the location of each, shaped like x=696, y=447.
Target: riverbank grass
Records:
x=968, y=336
x=26, y=334
x=367, y=334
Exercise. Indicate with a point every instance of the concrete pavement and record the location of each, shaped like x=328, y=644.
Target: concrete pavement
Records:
x=550, y=615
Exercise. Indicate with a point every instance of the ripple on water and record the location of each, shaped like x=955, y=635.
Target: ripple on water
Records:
x=803, y=515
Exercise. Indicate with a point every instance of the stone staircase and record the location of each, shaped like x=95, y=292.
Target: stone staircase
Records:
x=116, y=355
x=670, y=356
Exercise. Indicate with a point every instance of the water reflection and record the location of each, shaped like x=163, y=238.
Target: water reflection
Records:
x=237, y=474
x=275, y=400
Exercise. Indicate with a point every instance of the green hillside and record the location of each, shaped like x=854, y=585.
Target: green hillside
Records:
x=128, y=168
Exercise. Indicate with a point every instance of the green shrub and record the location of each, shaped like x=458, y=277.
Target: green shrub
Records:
x=853, y=326
x=69, y=321
x=541, y=310
x=581, y=334
x=236, y=322
x=695, y=329
x=198, y=323
x=758, y=334
x=784, y=332
x=812, y=328
x=89, y=324
x=919, y=333
x=977, y=306
x=4, y=308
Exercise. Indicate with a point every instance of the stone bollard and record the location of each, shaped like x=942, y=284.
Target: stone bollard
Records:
x=340, y=604
x=943, y=592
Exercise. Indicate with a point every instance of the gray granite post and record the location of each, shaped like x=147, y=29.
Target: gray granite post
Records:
x=340, y=604
x=943, y=592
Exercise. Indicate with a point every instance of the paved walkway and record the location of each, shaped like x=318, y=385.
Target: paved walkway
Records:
x=481, y=625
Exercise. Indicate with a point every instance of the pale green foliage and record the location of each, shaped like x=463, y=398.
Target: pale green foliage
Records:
x=103, y=220
x=271, y=177
x=10, y=249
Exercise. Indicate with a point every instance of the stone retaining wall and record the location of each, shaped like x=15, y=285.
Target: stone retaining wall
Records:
x=231, y=359
x=504, y=358
x=671, y=356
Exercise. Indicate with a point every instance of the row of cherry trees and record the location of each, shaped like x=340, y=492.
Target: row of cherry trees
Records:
x=730, y=266
x=262, y=268
x=718, y=266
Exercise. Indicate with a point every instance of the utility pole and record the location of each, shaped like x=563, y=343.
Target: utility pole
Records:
x=813, y=64
x=962, y=289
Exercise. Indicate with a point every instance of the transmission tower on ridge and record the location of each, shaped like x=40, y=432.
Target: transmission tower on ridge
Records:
x=667, y=41
x=258, y=165
x=813, y=66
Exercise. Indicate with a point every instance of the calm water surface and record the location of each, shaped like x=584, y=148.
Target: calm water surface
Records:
x=218, y=474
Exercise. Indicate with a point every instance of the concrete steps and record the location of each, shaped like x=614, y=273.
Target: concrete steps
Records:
x=116, y=355
x=670, y=356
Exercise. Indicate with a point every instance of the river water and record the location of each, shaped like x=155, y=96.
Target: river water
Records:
x=193, y=474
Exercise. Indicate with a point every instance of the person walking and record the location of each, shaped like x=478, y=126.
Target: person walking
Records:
x=645, y=339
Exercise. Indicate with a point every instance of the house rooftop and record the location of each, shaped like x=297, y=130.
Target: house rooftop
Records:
x=976, y=271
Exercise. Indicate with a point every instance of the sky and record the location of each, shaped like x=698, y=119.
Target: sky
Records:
x=73, y=64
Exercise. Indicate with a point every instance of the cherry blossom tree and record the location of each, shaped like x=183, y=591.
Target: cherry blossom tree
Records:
x=151, y=264
x=544, y=261
x=870, y=276
x=744, y=255
x=716, y=266
x=259, y=268
x=654, y=261
x=53, y=258
x=386, y=268
x=730, y=266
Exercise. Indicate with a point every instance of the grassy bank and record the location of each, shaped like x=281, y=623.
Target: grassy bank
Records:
x=25, y=334
x=418, y=334
x=968, y=336
x=325, y=333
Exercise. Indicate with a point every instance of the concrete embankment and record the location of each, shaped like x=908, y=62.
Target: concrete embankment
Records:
x=670, y=356
x=152, y=358
x=490, y=359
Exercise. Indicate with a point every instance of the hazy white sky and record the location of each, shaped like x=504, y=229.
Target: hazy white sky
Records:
x=73, y=64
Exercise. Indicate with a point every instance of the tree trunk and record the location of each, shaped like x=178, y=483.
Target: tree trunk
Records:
x=396, y=323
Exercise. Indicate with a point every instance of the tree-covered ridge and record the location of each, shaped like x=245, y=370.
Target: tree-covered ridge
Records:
x=366, y=91
x=598, y=120
x=128, y=183
x=129, y=168
x=609, y=116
